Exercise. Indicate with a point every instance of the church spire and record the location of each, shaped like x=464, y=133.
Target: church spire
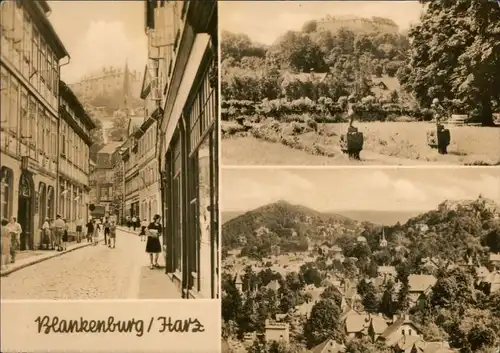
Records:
x=126, y=87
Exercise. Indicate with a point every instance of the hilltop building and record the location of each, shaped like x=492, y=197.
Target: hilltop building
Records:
x=106, y=81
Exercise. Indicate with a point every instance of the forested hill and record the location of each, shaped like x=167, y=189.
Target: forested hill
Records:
x=281, y=222
x=450, y=232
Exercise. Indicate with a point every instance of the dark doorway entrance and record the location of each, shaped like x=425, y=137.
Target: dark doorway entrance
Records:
x=25, y=211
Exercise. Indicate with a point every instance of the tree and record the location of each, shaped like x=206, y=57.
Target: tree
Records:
x=300, y=52
x=387, y=305
x=323, y=323
x=231, y=303
x=370, y=300
x=332, y=292
x=455, y=54
x=119, y=126
x=97, y=137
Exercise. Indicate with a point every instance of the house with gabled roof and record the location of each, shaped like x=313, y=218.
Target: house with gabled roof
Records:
x=328, y=346
x=494, y=259
x=402, y=326
x=419, y=287
x=359, y=325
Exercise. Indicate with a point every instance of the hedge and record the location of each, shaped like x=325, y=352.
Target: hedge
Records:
x=323, y=110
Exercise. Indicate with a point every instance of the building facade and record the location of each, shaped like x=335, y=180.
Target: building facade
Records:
x=74, y=158
x=119, y=183
x=183, y=40
x=30, y=59
x=104, y=175
x=132, y=182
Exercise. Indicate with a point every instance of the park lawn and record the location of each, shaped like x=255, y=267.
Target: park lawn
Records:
x=396, y=140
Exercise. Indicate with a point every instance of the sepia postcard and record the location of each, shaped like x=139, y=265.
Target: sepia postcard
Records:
x=95, y=159
x=360, y=260
x=360, y=83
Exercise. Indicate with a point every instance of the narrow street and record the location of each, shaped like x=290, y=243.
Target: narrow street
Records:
x=93, y=272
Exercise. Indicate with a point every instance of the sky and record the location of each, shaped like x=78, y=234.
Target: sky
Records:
x=100, y=33
x=264, y=21
x=356, y=189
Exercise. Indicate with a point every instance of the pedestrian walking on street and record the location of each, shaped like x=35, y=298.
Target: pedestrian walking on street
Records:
x=15, y=230
x=96, y=233
x=79, y=229
x=59, y=226
x=90, y=230
x=153, y=246
x=65, y=235
x=106, y=231
x=46, y=234
x=129, y=222
x=6, y=240
x=134, y=223
x=52, y=234
x=144, y=226
x=112, y=235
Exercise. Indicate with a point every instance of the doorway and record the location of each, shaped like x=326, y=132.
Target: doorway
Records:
x=25, y=212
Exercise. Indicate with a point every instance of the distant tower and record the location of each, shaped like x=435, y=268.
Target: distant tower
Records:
x=238, y=283
x=383, y=241
x=127, y=92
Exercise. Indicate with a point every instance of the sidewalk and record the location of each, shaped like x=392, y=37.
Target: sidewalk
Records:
x=153, y=284
x=32, y=257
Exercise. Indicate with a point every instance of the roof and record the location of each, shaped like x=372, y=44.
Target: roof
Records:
x=355, y=322
x=494, y=257
x=70, y=96
x=328, y=346
x=305, y=76
x=134, y=123
x=387, y=269
x=390, y=334
x=110, y=147
x=437, y=347
x=392, y=83
x=274, y=285
x=421, y=283
x=407, y=342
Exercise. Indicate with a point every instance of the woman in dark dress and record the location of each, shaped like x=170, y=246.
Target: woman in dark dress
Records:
x=153, y=246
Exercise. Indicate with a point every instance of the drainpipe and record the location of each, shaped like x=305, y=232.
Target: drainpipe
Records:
x=58, y=155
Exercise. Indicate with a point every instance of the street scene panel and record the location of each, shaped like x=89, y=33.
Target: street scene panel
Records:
x=109, y=144
x=357, y=83
x=389, y=260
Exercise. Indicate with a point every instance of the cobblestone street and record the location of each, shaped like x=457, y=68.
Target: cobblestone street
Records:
x=93, y=272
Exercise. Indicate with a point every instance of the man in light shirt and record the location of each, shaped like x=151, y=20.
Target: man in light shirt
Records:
x=59, y=227
x=16, y=231
x=79, y=229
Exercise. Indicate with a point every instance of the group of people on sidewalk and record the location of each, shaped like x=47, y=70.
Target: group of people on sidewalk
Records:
x=10, y=238
x=106, y=226
x=55, y=233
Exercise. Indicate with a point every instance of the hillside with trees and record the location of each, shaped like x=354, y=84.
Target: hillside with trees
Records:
x=449, y=244
x=416, y=66
x=283, y=225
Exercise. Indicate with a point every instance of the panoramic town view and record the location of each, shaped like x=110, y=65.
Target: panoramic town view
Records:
x=91, y=159
x=360, y=83
x=392, y=260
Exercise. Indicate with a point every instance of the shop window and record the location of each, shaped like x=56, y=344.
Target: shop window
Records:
x=6, y=196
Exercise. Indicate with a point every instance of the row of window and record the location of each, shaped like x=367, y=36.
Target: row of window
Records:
x=73, y=148
x=147, y=142
x=25, y=117
x=149, y=175
x=75, y=117
x=71, y=203
x=149, y=209
x=28, y=51
x=132, y=185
